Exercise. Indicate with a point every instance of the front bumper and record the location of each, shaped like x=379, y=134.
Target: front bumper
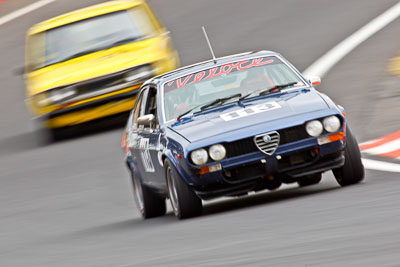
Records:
x=253, y=171
x=121, y=99
x=91, y=110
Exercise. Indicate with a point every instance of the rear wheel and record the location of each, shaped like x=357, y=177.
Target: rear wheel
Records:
x=309, y=179
x=185, y=203
x=352, y=171
x=149, y=204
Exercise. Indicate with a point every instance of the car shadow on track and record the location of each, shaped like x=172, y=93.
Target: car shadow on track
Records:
x=39, y=138
x=18, y=143
x=264, y=198
x=210, y=209
x=119, y=227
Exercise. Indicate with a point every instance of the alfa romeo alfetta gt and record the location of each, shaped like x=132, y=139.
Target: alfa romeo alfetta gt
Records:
x=230, y=126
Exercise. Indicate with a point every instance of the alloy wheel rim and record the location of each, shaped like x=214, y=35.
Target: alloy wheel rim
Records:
x=137, y=187
x=173, y=194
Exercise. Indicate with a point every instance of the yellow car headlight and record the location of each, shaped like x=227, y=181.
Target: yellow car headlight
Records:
x=57, y=95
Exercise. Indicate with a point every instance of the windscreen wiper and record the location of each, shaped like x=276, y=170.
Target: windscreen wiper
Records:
x=267, y=91
x=279, y=87
x=220, y=101
x=125, y=41
x=247, y=95
x=85, y=52
x=79, y=54
x=203, y=106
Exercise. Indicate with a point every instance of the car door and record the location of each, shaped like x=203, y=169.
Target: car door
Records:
x=150, y=140
x=135, y=133
x=144, y=140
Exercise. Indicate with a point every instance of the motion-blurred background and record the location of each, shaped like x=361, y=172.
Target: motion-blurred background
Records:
x=69, y=203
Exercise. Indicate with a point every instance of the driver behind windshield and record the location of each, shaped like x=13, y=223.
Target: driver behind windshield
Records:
x=227, y=83
x=256, y=79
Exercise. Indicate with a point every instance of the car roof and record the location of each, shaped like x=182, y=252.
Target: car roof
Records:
x=172, y=75
x=84, y=13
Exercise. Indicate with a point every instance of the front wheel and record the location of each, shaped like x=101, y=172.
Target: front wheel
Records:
x=149, y=204
x=352, y=171
x=273, y=184
x=185, y=203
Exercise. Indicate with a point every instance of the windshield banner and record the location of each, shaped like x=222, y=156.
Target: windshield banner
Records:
x=219, y=70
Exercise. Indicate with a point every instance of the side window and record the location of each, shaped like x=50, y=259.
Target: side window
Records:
x=151, y=105
x=35, y=51
x=139, y=108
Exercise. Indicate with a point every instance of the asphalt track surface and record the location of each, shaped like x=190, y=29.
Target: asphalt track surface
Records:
x=70, y=203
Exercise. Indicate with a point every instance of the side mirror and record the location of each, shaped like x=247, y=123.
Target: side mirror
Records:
x=314, y=80
x=146, y=120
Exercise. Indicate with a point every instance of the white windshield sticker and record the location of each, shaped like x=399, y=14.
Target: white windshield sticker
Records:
x=249, y=111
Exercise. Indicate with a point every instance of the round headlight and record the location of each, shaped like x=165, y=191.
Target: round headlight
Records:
x=314, y=128
x=217, y=152
x=331, y=124
x=199, y=156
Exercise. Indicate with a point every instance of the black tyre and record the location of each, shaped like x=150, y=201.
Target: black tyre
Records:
x=185, y=203
x=309, y=179
x=149, y=204
x=352, y=171
x=56, y=134
x=273, y=184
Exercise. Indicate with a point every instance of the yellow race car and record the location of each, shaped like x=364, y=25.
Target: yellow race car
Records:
x=89, y=63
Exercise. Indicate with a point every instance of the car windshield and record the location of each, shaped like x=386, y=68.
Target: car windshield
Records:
x=89, y=35
x=253, y=77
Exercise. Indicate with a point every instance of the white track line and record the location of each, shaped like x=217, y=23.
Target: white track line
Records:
x=384, y=148
x=24, y=10
x=321, y=66
x=371, y=141
x=381, y=165
x=333, y=56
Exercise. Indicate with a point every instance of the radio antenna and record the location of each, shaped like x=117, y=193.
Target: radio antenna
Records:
x=209, y=45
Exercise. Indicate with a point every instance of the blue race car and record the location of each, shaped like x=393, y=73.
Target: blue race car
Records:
x=230, y=126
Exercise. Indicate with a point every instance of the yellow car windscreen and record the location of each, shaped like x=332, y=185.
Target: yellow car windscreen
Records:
x=87, y=36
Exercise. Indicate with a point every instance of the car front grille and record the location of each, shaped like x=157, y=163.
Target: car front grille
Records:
x=247, y=145
x=247, y=171
x=101, y=83
x=104, y=85
x=267, y=142
x=292, y=134
x=240, y=147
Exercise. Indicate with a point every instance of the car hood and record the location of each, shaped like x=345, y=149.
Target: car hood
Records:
x=214, y=123
x=95, y=64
